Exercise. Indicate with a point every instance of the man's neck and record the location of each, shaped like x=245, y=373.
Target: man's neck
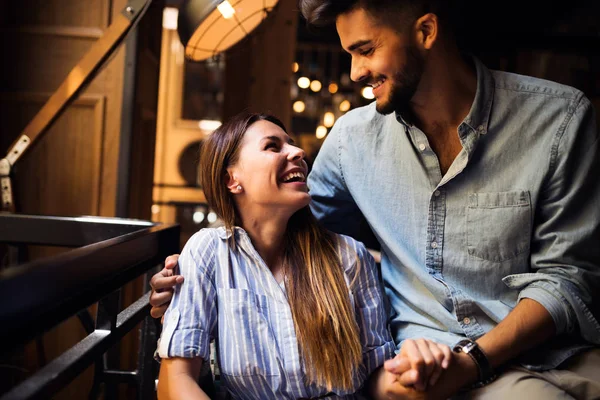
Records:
x=445, y=95
x=443, y=100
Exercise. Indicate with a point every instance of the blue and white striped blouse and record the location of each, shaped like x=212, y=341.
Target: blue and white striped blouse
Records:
x=232, y=296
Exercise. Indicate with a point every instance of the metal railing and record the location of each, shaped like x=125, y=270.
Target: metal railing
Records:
x=38, y=295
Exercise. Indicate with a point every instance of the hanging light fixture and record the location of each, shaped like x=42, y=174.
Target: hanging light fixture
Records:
x=208, y=27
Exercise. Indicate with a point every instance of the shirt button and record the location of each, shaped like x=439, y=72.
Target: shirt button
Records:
x=437, y=193
x=434, y=245
x=422, y=147
x=466, y=320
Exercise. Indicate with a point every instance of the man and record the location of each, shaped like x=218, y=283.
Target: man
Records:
x=482, y=190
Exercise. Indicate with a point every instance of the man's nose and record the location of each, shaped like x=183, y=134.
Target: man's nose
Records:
x=358, y=70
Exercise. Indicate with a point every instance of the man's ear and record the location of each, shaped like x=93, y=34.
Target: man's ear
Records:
x=427, y=30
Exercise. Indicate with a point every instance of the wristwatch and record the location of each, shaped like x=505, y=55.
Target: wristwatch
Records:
x=486, y=372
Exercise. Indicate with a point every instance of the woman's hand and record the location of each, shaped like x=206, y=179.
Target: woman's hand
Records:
x=420, y=363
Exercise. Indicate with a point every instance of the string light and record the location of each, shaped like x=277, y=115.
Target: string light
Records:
x=299, y=106
x=321, y=132
x=315, y=85
x=345, y=106
x=367, y=93
x=303, y=82
x=328, y=119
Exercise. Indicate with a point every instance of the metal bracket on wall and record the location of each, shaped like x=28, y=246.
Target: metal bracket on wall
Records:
x=5, y=186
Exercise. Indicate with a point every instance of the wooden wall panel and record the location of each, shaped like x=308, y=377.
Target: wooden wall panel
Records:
x=89, y=13
x=64, y=168
x=47, y=40
x=42, y=56
x=73, y=169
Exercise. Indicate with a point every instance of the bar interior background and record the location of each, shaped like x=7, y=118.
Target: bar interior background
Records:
x=172, y=104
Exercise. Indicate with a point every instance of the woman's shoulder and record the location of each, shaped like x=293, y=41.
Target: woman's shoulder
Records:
x=206, y=236
x=204, y=243
x=351, y=251
x=348, y=243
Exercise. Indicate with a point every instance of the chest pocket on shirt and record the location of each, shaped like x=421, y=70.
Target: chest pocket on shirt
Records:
x=498, y=225
x=247, y=346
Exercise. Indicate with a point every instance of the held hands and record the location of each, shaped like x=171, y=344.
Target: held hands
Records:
x=414, y=370
x=162, y=284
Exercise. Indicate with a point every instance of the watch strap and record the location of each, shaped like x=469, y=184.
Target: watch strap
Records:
x=472, y=349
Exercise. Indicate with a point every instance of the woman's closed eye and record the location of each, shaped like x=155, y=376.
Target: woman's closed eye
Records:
x=272, y=146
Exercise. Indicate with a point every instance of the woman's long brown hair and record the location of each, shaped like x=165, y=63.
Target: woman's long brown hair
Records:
x=324, y=319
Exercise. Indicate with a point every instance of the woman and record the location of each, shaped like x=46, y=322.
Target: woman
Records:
x=296, y=311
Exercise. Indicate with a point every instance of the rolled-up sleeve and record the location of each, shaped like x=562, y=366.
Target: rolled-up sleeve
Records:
x=565, y=257
x=375, y=337
x=191, y=318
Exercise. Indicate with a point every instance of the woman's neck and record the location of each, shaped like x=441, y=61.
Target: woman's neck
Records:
x=267, y=235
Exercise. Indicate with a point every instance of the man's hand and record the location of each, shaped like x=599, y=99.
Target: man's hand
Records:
x=162, y=284
x=413, y=372
x=420, y=363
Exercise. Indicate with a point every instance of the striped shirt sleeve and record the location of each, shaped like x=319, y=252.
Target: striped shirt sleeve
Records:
x=191, y=317
x=372, y=319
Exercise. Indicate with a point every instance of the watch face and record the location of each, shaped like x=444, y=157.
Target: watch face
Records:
x=469, y=347
x=465, y=346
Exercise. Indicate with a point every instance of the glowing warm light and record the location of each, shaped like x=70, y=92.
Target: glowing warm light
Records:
x=295, y=67
x=226, y=10
x=170, y=15
x=222, y=27
x=212, y=217
x=367, y=93
x=198, y=217
x=321, y=132
x=344, y=106
x=328, y=119
x=315, y=85
x=303, y=82
x=155, y=209
x=299, y=106
x=333, y=88
x=209, y=125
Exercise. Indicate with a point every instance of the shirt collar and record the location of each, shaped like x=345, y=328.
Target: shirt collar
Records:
x=225, y=233
x=479, y=115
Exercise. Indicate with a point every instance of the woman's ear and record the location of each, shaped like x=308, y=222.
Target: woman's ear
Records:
x=232, y=183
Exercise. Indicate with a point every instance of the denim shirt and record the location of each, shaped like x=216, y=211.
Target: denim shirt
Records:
x=517, y=214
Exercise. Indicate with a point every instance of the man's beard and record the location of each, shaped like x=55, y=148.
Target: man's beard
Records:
x=404, y=84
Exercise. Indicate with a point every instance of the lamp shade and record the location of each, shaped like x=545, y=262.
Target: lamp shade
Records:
x=208, y=27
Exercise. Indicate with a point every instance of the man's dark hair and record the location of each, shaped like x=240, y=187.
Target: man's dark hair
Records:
x=393, y=13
